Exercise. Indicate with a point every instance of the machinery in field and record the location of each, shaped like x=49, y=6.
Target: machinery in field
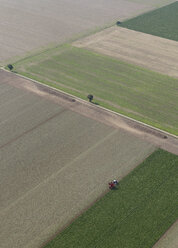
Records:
x=113, y=184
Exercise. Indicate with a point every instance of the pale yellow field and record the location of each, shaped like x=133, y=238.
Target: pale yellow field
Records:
x=155, y=53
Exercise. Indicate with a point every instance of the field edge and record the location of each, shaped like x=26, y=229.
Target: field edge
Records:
x=52, y=241
x=105, y=105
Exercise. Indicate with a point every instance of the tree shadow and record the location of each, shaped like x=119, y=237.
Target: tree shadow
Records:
x=96, y=103
x=115, y=188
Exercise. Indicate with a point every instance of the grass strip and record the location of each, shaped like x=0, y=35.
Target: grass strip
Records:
x=161, y=22
x=135, y=215
x=128, y=89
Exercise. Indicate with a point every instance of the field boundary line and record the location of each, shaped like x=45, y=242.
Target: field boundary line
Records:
x=89, y=104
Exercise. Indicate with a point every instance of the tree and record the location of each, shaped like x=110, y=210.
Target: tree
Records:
x=90, y=97
x=10, y=67
x=118, y=23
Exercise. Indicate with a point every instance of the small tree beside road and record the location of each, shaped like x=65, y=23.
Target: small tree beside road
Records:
x=90, y=97
x=10, y=67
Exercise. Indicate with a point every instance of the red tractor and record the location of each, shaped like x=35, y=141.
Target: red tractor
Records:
x=113, y=184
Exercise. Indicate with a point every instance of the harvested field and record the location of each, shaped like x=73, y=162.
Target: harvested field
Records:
x=47, y=152
x=28, y=25
x=169, y=239
x=152, y=52
x=128, y=89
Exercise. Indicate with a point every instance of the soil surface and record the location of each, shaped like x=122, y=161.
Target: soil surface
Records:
x=152, y=52
x=169, y=239
x=30, y=25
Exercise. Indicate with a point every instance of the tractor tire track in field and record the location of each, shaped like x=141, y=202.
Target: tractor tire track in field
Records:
x=31, y=129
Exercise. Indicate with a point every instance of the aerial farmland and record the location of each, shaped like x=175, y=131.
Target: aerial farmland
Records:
x=58, y=152
x=78, y=71
x=47, y=152
x=152, y=52
x=27, y=26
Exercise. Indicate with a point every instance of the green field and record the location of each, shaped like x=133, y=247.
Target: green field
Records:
x=128, y=89
x=161, y=22
x=135, y=215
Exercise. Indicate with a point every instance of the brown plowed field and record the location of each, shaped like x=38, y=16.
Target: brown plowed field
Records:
x=28, y=25
x=155, y=53
x=55, y=161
